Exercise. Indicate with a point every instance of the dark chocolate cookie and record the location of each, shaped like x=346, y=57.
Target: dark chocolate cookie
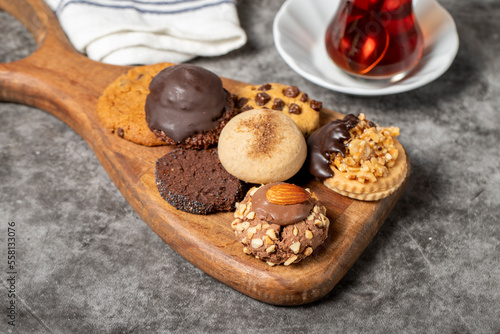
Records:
x=195, y=182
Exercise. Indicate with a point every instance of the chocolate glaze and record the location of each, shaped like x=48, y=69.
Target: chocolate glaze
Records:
x=279, y=214
x=327, y=140
x=184, y=100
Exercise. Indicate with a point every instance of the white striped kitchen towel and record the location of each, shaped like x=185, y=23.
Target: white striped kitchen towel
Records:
x=132, y=32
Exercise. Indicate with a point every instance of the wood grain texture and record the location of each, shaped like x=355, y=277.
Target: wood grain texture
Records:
x=57, y=79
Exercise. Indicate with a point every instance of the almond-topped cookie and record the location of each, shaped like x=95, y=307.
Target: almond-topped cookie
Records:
x=357, y=158
x=289, y=100
x=280, y=223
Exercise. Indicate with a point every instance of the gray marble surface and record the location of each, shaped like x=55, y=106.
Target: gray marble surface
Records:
x=88, y=264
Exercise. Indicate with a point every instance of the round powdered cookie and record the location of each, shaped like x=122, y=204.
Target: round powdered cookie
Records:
x=195, y=182
x=356, y=158
x=187, y=106
x=287, y=99
x=280, y=223
x=262, y=146
x=121, y=106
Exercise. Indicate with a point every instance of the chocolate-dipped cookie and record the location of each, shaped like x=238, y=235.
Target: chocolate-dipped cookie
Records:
x=187, y=106
x=357, y=158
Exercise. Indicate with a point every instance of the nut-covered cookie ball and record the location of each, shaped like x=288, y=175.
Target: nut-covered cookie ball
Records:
x=280, y=223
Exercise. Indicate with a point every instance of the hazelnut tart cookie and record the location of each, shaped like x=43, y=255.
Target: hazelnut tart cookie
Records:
x=357, y=158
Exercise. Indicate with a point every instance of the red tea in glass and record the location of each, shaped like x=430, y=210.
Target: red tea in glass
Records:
x=375, y=39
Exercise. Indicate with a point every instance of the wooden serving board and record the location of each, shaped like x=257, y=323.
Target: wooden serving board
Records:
x=67, y=84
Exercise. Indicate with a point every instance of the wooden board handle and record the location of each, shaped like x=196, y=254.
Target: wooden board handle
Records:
x=55, y=77
x=36, y=16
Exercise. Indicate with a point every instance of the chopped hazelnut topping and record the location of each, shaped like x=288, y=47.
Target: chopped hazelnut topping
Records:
x=308, y=251
x=256, y=243
x=271, y=234
x=369, y=152
x=295, y=247
x=290, y=260
x=253, y=191
x=240, y=210
x=235, y=222
x=250, y=232
x=271, y=249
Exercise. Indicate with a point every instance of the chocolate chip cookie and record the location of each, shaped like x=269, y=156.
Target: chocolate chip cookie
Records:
x=287, y=99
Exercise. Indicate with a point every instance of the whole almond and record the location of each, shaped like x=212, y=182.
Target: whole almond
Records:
x=287, y=194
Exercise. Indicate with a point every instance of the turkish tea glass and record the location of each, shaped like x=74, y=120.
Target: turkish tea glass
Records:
x=375, y=39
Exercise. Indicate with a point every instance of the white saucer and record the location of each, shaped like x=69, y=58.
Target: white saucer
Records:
x=299, y=29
